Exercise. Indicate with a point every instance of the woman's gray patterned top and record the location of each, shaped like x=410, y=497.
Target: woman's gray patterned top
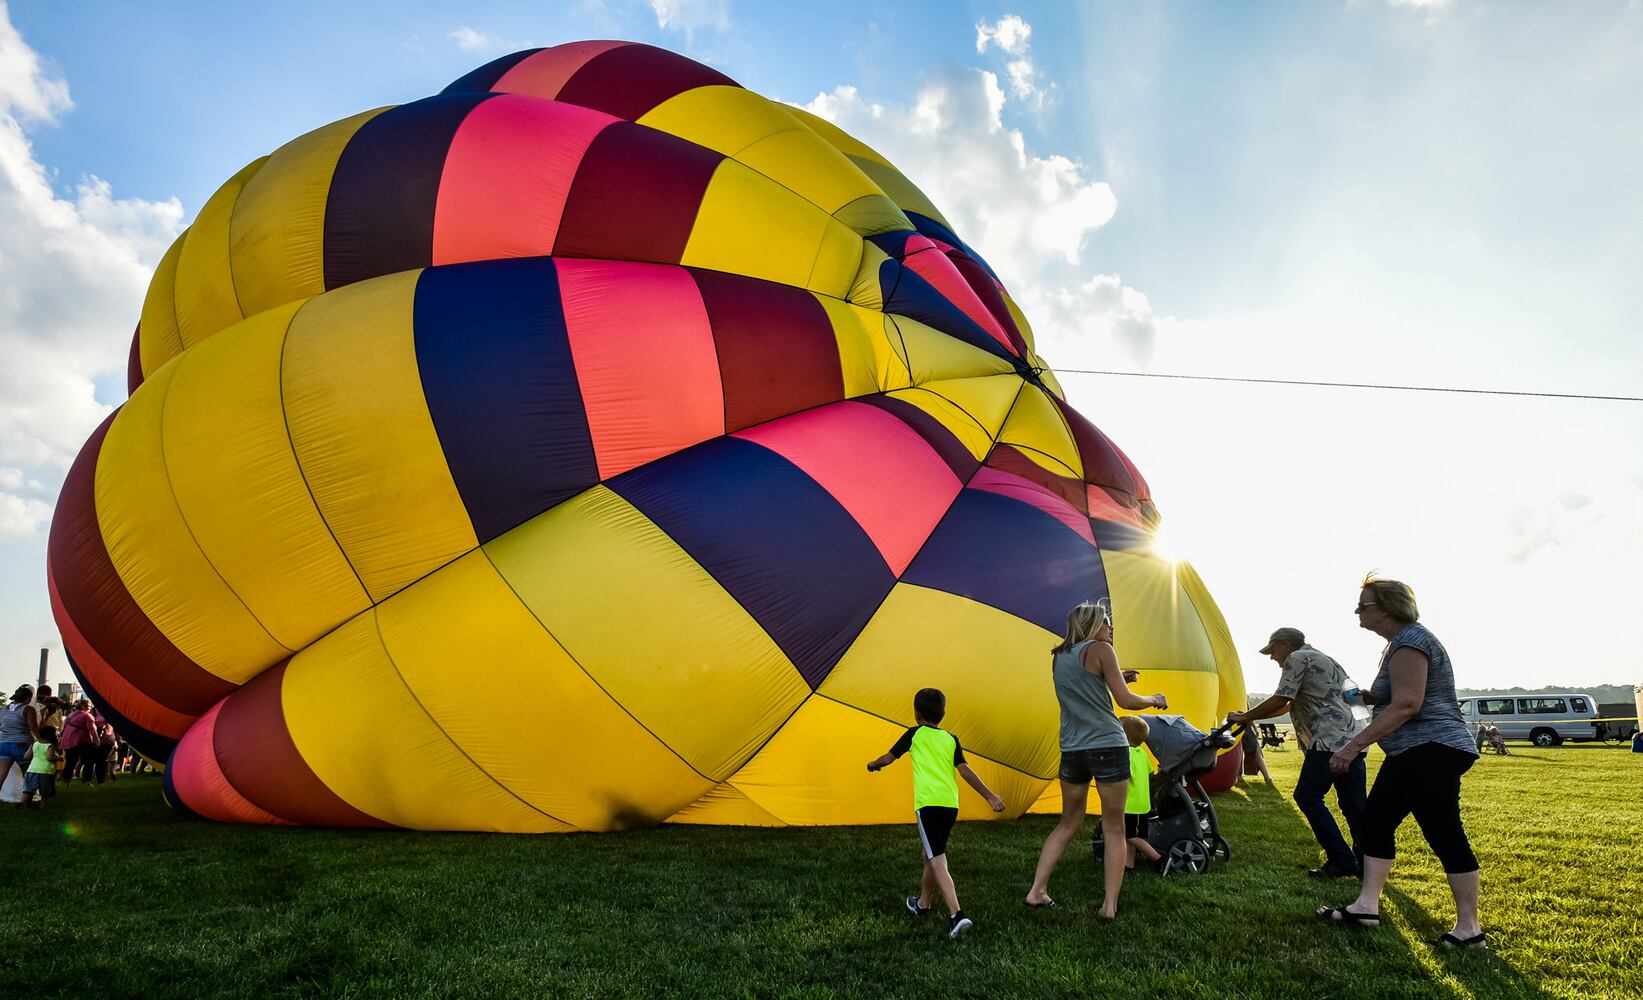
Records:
x=1438, y=719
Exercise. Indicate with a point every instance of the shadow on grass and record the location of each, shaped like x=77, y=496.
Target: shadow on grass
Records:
x=1482, y=973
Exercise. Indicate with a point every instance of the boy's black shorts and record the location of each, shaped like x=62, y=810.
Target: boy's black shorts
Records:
x=934, y=824
x=1135, y=825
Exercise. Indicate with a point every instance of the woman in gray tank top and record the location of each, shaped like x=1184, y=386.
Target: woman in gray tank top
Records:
x=18, y=726
x=1419, y=727
x=1088, y=681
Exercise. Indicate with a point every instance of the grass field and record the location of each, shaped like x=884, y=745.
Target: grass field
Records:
x=141, y=902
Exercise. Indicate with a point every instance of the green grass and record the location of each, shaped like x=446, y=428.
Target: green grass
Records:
x=141, y=902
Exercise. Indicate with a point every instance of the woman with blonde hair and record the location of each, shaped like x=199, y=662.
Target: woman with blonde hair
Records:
x=1088, y=681
x=1418, y=724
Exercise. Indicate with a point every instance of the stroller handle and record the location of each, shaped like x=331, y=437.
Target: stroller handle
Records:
x=1227, y=734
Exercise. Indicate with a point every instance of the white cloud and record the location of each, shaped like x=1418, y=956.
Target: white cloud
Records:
x=25, y=91
x=1011, y=35
x=689, y=15
x=1574, y=500
x=1530, y=532
x=1028, y=215
x=75, y=272
x=1083, y=320
x=473, y=40
x=22, y=517
x=1434, y=10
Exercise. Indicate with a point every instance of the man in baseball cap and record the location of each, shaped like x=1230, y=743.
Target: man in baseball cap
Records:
x=1313, y=689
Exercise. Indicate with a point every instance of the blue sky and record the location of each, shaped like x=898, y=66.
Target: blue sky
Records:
x=1430, y=193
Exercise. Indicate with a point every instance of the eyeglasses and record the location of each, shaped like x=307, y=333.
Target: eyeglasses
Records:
x=1360, y=609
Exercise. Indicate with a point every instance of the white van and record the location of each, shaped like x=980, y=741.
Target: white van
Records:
x=1543, y=719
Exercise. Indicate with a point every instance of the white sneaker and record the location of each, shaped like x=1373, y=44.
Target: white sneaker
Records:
x=960, y=925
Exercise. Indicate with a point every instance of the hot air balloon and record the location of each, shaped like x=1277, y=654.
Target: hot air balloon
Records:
x=595, y=443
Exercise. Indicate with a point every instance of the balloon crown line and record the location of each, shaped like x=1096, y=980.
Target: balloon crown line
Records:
x=1339, y=385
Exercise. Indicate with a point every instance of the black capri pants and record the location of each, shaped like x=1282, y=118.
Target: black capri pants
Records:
x=1424, y=780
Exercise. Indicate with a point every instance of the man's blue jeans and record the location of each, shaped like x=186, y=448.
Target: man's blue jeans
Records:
x=1316, y=779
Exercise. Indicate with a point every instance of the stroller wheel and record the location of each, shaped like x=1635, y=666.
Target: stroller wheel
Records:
x=1218, y=847
x=1189, y=856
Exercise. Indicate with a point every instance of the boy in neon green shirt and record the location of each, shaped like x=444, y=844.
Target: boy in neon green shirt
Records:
x=1138, y=806
x=936, y=756
x=41, y=776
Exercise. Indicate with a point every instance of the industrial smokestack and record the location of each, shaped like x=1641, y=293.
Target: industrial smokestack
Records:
x=44, y=652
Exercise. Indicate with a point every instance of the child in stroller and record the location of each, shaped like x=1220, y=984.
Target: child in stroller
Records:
x=1182, y=825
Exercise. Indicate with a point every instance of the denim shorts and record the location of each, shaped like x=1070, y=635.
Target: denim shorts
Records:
x=1105, y=766
x=14, y=752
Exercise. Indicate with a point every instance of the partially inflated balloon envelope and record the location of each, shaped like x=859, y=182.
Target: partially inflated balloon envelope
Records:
x=593, y=444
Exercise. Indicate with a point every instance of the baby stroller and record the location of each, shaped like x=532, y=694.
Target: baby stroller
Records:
x=1182, y=826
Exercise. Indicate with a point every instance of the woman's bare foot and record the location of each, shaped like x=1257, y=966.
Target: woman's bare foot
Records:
x=1108, y=912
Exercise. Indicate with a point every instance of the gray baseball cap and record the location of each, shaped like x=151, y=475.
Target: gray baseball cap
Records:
x=1286, y=637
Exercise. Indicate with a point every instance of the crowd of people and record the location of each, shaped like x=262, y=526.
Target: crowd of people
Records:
x=52, y=742
x=1413, y=716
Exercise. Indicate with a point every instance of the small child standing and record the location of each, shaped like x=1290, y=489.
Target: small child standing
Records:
x=42, y=760
x=936, y=756
x=1138, y=806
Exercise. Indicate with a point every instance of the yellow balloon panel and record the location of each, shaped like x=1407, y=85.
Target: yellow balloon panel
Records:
x=277, y=235
x=1037, y=429
x=748, y=224
x=975, y=437
x=158, y=337
x=1192, y=694
x=368, y=738
x=763, y=135
x=878, y=170
x=1026, y=331
x=723, y=118
x=649, y=624
x=993, y=667
x=204, y=292
x=155, y=553
x=1158, y=626
x=871, y=214
x=986, y=401
x=865, y=291
x=724, y=805
x=866, y=359
x=362, y=433
x=230, y=462
x=934, y=356
x=555, y=739
x=1232, y=696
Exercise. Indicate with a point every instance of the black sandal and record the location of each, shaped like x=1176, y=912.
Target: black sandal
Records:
x=1343, y=917
x=1451, y=941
